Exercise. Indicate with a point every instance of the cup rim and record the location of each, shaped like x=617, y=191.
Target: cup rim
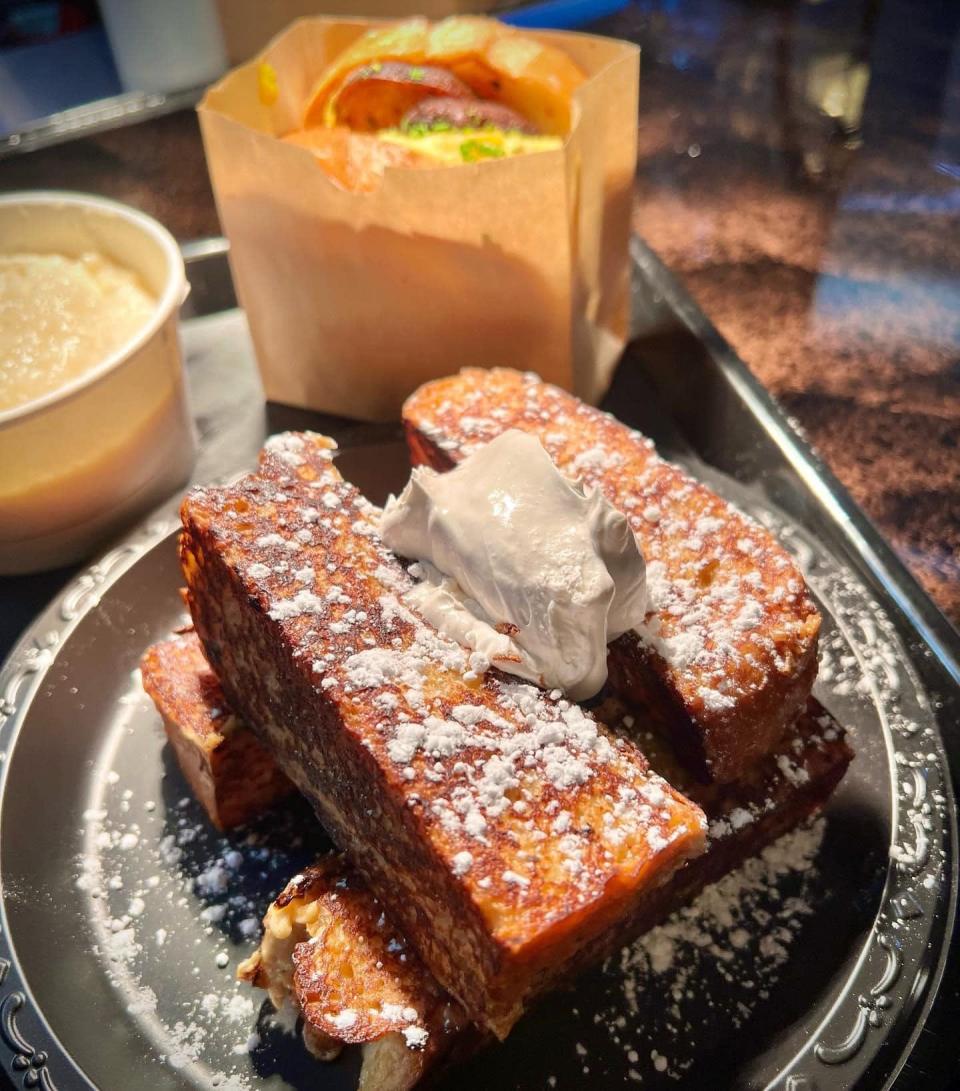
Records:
x=167, y=304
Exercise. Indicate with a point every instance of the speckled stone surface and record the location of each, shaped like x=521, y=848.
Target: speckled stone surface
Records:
x=827, y=250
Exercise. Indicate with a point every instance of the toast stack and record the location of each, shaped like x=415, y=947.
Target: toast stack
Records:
x=495, y=838
x=327, y=919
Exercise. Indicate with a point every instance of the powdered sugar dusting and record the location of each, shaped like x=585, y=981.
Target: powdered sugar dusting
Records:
x=767, y=932
x=722, y=954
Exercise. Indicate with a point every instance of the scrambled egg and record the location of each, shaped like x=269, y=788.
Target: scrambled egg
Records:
x=454, y=146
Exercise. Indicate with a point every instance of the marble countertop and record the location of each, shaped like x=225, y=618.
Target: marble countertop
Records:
x=799, y=169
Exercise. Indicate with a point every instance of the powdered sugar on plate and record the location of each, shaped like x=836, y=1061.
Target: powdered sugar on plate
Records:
x=725, y=949
x=175, y=906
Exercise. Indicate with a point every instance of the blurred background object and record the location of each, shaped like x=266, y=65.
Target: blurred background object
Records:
x=95, y=430
x=72, y=65
x=166, y=46
x=53, y=55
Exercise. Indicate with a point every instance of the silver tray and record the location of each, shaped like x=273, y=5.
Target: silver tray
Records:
x=92, y=804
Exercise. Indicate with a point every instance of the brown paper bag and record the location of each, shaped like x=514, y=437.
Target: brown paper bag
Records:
x=355, y=299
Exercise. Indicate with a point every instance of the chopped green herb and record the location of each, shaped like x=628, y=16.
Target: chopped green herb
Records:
x=423, y=128
x=416, y=74
x=472, y=150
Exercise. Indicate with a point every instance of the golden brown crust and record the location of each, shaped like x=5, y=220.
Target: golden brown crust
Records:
x=228, y=770
x=503, y=829
x=349, y=932
x=329, y=949
x=781, y=791
x=727, y=655
x=792, y=783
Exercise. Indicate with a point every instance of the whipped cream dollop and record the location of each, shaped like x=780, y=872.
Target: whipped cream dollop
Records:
x=520, y=564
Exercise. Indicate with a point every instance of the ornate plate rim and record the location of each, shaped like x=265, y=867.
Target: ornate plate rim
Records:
x=33, y=1048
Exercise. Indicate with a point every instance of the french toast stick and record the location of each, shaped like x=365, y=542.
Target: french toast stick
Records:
x=329, y=949
x=227, y=767
x=728, y=653
x=504, y=830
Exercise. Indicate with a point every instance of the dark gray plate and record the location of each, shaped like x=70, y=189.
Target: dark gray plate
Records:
x=124, y=916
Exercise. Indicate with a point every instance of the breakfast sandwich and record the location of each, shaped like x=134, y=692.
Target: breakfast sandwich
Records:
x=421, y=94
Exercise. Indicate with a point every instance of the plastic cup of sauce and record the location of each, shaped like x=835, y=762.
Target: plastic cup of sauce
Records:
x=95, y=427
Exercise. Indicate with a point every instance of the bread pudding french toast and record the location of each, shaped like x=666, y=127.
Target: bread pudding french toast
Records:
x=326, y=920
x=346, y=970
x=727, y=656
x=506, y=832
x=233, y=777
x=793, y=782
x=329, y=949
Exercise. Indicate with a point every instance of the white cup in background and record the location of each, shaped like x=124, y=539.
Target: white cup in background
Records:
x=164, y=45
x=82, y=462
